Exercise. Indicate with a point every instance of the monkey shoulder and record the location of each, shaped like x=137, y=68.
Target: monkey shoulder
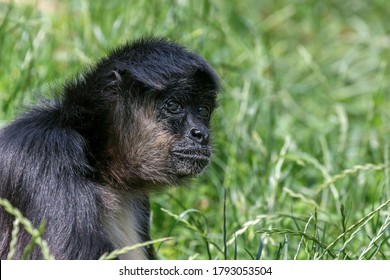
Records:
x=36, y=147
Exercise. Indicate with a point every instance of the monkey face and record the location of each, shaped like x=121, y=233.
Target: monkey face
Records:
x=166, y=139
x=190, y=152
x=185, y=110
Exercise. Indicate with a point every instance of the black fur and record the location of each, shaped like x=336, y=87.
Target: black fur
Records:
x=76, y=161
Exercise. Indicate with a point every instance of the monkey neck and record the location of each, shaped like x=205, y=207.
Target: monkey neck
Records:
x=127, y=181
x=127, y=222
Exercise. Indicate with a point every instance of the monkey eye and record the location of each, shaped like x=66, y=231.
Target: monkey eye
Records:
x=204, y=112
x=173, y=106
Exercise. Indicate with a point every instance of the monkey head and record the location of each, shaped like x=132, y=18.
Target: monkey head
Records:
x=154, y=125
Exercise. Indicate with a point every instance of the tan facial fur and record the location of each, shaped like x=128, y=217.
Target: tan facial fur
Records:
x=142, y=154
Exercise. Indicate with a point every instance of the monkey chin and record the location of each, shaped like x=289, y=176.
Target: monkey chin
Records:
x=189, y=162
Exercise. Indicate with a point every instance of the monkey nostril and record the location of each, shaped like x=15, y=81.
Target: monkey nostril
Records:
x=199, y=136
x=196, y=133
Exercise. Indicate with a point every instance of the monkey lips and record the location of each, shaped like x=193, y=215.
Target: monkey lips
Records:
x=190, y=161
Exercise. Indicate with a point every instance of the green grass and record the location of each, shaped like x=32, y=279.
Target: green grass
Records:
x=302, y=136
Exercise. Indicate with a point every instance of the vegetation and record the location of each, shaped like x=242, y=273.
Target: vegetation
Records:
x=302, y=134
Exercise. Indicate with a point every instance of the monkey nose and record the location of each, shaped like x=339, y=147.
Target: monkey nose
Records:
x=201, y=137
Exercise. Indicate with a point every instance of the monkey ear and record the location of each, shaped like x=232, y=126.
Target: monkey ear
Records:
x=112, y=81
x=116, y=77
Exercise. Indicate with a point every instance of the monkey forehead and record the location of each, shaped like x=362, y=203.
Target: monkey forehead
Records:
x=154, y=61
x=193, y=90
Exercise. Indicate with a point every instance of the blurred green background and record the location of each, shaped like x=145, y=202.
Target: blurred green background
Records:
x=301, y=165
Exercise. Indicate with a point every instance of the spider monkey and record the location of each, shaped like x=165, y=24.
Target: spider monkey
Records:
x=86, y=161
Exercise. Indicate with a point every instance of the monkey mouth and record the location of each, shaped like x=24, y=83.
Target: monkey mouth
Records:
x=189, y=161
x=193, y=154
